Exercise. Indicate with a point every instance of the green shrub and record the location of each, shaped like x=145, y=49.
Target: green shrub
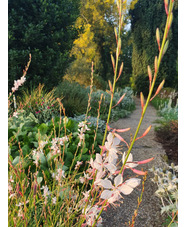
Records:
x=42, y=104
x=75, y=97
x=126, y=106
x=140, y=83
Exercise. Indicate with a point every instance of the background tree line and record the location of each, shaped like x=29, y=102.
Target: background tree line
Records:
x=64, y=36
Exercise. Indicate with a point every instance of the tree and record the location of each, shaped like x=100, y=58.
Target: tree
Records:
x=44, y=29
x=145, y=18
x=96, y=41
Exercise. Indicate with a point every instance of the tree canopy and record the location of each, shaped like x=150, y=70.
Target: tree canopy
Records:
x=96, y=40
x=145, y=18
x=44, y=29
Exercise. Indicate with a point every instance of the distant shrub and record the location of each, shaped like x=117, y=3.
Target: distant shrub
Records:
x=92, y=121
x=75, y=97
x=122, y=110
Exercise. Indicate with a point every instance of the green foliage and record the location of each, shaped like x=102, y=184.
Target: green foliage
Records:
x=75, y=97
x=96, y=41
x=167, y=182
x=42, y=104
x=120, y=111
x=92, y=121
x=145, y=18
x=44, y=29
x=34, y=139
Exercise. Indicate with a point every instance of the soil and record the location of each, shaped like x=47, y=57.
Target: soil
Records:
x=168, y=136
x=149, y=212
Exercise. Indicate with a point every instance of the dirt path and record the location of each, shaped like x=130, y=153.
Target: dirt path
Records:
x=149, y=212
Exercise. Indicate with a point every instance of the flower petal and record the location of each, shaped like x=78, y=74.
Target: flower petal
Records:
x=106, y=194
x=98, y=158
x=118, y=180
x=112, y=168
x=133, y=182
x=106, y=184
x=125, y=189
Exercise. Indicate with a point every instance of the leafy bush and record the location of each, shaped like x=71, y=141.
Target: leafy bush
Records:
x=140, y=83
x=167, y=181
x=75, y=97
x=91, y=120
x=169, y=113
x=165, y=96
x=122, y=110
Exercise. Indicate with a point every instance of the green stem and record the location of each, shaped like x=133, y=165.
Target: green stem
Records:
x=151, y=89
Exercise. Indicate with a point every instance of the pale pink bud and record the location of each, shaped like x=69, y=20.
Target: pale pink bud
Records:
x=156, y=64
x=113, y=62
x=158, y=37
x=145, y=133
x=166, y=6
x=120, y=71
x=142, y=100
x=120, y=138
x=145, y=161
x=158, y=89
x=150, y=75
x=139, y=172
x=110, y=85
x=122, y=97
x=122, y=130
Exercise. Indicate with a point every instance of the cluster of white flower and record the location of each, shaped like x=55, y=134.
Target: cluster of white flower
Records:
x=60, y=175
x=36, y=156
x=82, y=129
x=108, y=178
x=18, y=83
x=46, y=191
x=56, y=142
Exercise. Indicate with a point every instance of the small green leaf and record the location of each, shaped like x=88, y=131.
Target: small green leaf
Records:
x=16, y=160
x=39, y=180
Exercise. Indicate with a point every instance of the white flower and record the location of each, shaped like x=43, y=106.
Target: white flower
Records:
x=54, y=200
x=129, y=163
x=112, y=141
x=46, y=192
x=114, y=194
x=15, y=114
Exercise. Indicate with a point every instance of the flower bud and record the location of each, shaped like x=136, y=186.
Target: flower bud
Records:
x=170, y=20
x=156, y=64
x=158, y=37
x=165, y=47
x=170, y=176
x=156, y=178
x=172, y=165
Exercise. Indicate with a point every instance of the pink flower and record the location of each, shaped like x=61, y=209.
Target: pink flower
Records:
x=113, y=194
x=48, y=107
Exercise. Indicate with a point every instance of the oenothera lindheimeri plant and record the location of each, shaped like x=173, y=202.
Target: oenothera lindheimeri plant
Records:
x=75, y=196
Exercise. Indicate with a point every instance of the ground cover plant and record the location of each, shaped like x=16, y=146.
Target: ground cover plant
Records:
x=60, y=188
x=167, y=182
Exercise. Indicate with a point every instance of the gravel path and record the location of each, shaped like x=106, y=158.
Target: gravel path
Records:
x=149, y=212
